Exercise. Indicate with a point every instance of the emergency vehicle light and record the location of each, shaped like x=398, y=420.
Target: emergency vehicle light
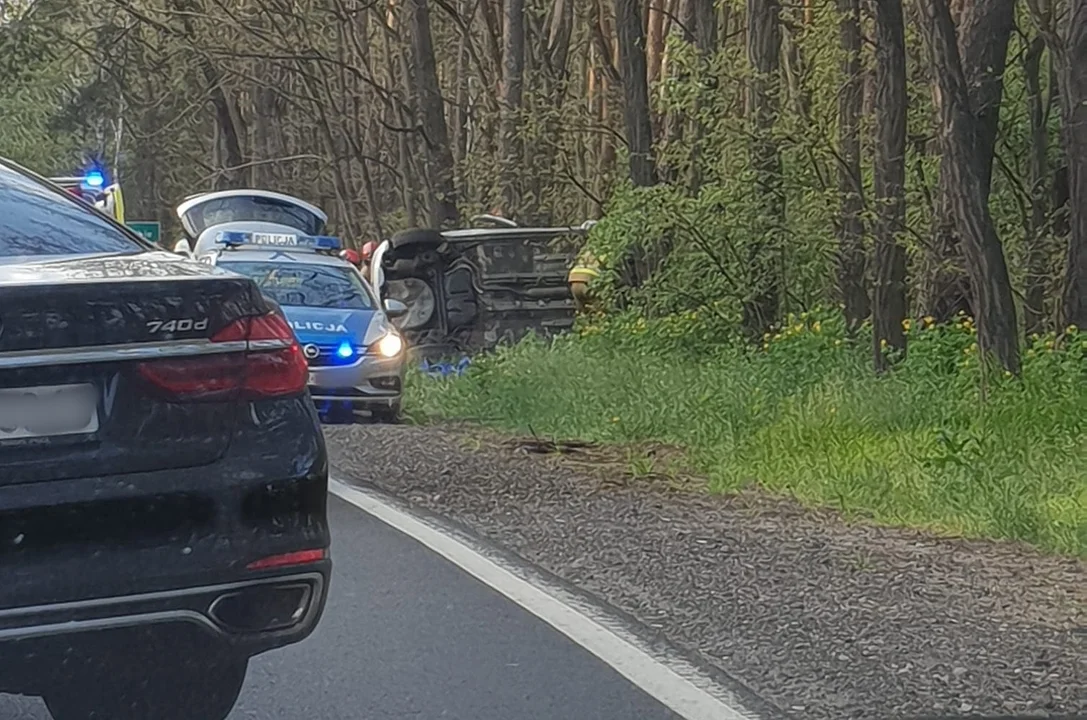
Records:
x=237, y=238
x=94, y=179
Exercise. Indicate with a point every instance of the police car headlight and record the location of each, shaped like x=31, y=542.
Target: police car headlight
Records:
x=390, y=345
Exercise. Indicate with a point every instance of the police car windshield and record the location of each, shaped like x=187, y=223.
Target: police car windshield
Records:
x=297, y=284
x=249, y=208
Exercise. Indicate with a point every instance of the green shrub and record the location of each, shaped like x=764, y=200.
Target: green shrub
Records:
x=804, y=416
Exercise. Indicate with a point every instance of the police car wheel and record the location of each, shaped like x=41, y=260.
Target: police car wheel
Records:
x=387, y=415
x=337, y=415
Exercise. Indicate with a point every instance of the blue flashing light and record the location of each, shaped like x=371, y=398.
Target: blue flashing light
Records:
x=94, y=179
x=345, y=350
x=233, y=238
x=326, y=242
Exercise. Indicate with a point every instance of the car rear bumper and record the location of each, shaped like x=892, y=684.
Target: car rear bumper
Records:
x=43, y=645
x=372, y=382
x=288, y=606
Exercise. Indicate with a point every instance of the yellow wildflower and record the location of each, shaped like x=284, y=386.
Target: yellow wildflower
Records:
x=928, y=321
x=816, y=326
x=906, y=324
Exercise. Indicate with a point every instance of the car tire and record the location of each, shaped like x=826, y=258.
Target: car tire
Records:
x=423, y=238
x=339, y=415
x=386, y=415
x=188, y=690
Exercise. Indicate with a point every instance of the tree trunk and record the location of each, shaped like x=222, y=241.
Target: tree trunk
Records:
x=442, y=199
x=460, y=112
x=655, y=40
x=1073, y=74
x=762, y=304
x=889, y=293
x=656, y=29
x=265, y=117
x=851, y=253
x=632, y=69
x=1034, y=305
x=513, y=70
x=703, y=18
x=399, y=113
x=961, y=139
x=985, y=27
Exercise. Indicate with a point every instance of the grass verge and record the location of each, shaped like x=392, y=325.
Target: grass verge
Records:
x=805, y=417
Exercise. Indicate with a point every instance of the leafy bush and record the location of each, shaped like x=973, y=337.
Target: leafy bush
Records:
x=803, y=416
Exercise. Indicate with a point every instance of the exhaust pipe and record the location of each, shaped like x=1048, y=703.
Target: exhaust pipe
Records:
x=262, y=608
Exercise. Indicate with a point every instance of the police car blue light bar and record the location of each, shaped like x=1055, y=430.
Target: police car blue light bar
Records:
x=237, y=238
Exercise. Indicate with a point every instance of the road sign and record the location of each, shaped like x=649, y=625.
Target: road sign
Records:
x=152, y=231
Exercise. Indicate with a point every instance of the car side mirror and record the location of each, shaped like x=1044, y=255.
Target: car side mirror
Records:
x=183, y=248
x=395, y=308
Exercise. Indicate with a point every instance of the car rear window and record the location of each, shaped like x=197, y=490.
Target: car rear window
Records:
x=249, y=208
x=37, y=220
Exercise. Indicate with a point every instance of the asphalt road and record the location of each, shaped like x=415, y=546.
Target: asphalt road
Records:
x=408, y=635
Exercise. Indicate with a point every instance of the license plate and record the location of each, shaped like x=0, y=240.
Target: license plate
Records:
x=47, y=411
x=312, y=379
x=274, y=239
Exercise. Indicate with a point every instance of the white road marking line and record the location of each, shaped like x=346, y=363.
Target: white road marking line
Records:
x=671, y=682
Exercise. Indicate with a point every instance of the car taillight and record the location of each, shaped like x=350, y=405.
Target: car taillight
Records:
x=272, y=365
x=301, y=557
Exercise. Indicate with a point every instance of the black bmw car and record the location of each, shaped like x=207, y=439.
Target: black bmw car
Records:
x=163, y=475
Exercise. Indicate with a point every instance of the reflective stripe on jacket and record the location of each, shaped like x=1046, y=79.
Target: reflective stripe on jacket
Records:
x=585, y=268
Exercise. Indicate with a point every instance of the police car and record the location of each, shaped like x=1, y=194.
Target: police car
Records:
x=356, y=356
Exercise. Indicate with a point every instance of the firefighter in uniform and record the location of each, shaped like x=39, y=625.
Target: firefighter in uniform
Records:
x=586, y=269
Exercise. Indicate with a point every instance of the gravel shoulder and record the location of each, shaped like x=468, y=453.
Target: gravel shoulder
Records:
x=821, y=617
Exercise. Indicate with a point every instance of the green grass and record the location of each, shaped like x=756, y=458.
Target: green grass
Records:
x=805, y=417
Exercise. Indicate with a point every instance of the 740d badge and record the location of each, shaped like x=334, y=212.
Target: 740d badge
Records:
x=180, y=325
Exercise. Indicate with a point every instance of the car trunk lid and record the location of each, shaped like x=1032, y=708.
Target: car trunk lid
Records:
x=73, y=336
